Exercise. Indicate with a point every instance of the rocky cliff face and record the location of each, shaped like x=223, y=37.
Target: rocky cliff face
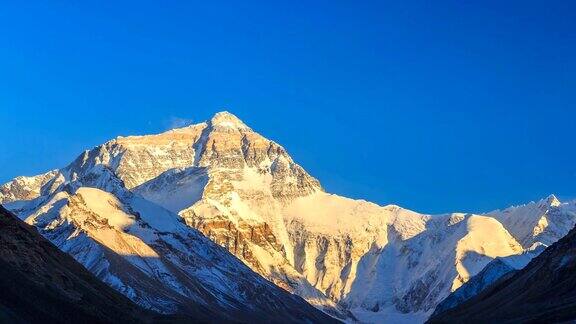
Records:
x=25, y=188
x=246, y=193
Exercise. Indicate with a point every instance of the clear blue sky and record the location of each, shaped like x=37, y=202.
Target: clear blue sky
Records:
x=433, y=105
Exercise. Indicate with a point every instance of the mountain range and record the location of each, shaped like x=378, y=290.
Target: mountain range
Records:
x=164, y=219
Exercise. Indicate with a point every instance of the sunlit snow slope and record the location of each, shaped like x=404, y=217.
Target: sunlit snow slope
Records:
x=541, y=292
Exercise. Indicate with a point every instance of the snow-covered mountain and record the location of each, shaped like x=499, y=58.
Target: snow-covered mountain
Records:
x=144, y=250
x=497, y=269
x=542, y=222
x=246, y=193
x=537, y=225
x=542, y=292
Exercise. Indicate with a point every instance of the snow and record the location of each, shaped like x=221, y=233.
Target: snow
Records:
x=486, y=239
x=23, y=189
x=545, y=221
x=227, y=120
x=175, y=189
x=334, y=215
x=252, y=180
x=154, y=215
x=493, y=271
x=227, y=124
x=106, y=205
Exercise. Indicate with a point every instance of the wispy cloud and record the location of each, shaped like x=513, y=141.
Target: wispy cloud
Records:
x=177, y=122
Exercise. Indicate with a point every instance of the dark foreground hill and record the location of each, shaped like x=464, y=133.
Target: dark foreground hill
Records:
x=542, y=292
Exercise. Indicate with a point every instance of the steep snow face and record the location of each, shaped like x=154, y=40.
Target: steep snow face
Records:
x=501, y=267
x=331, y=234
x=536, y=225
x=245, y=193
x=175, y=189
x=413, y=274
x=542, y=222
x=541, y=292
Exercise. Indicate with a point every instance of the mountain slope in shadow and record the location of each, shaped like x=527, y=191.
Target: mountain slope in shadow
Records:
x=41, y=284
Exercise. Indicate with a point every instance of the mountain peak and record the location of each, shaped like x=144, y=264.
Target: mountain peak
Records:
x=225, y=119
x=553, y=201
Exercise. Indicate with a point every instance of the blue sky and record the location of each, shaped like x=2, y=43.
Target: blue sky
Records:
x=433, y=105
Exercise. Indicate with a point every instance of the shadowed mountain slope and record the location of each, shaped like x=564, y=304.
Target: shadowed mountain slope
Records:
x=40, y=283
